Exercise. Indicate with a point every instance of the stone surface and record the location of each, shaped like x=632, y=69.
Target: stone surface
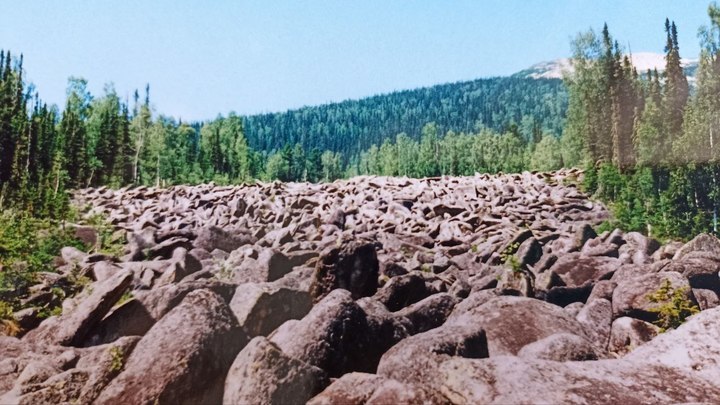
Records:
x=632, y=297
x=182, y=355
x=261, y=308
x=511, y=323
x=352, y=266
x=263, y=374
x=335, y=336
x=71, y=329
x=629, y=333
x=560, y=347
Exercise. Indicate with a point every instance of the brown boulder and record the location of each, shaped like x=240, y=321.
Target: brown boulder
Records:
x=182, y=357
x=352, y=266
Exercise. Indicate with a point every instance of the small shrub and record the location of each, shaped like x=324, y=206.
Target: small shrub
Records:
x=127, y=296
x=8, y=324
x=514, y=263
x=224, y=272
x=674, y=306
x=508, y=257
x=107, y=242
x=117, y=359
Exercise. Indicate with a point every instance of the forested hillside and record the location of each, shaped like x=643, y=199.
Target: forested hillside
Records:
x=97, y=140
x=353, y=126
x=649, y=145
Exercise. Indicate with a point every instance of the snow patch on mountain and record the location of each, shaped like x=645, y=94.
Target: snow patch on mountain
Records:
x=643, y=61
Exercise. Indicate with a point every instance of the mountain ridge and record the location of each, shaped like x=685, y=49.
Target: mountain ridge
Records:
x=643, y=61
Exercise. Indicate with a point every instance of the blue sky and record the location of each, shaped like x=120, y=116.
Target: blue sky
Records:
x=204, y=58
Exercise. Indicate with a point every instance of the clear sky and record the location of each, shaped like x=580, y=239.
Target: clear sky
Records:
x=208, y=57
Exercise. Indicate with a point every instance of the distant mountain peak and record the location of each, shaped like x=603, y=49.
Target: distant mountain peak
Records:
x=643, y=61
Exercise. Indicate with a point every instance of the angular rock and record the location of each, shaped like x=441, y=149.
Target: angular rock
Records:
x=701, y=243
x=261, y=308
x=402, y=291
x=213, y=237
x=706, y=299
x=416, y=359
x=137, y=316
x=632, y=298
x=335, y=336
x=430, y=312
x=71, y=329
x=560, y=347
x=512, y=380
x=629, y=333
x=576, y=271
x=511, y=323
x=263, y=374
x=352, y=266
x=596, y=319
x=182, y=356
x=363, y=388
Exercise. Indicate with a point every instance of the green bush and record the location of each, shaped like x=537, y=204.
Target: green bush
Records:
x=674, y=306
x=28, y=245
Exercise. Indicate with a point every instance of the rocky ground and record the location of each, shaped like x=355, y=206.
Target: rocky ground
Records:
x=485, y=289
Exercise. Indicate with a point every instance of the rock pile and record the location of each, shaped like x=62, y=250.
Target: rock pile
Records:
x=484, y=289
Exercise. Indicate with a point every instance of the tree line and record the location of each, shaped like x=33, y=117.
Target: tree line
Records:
x=353, y=126
x=648, y=141
x=107, y=141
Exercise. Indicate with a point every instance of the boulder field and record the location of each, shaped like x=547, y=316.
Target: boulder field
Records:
x=373, y=290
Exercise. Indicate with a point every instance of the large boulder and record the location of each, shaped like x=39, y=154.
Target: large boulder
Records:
x=628, y=333
x=261, y=308
x=363, y=388
x=514, y=380
x=701, y=243
x=270, y=265
x=352, y=266
x=596, y=319
x=510, y=322
x=700, y=268
x=263, y=374
x=693, y=348
x=72, y=328
x=213, y=237
x=183, y=357
x=415, y=360
x=404, y=290
x=575, y=270
x=430, y=312
x=560, y=347
x=136, y=316
x=636, y=297
x=335, y=336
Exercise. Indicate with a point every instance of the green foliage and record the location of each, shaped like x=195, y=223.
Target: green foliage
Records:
x=117, y=359
x=508, y=257
x=352, y=127
x=108, y=241
x=547, y=155
x=673, y=306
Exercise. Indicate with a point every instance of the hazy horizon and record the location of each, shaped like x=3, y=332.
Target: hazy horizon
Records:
x=252, y=57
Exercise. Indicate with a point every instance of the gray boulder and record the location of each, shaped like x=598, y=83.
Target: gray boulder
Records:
x=72, y=328
x=560, y=347
x=263, y=374
x=261, y=308
x=183, y=357
x=352, y=266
